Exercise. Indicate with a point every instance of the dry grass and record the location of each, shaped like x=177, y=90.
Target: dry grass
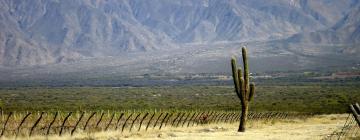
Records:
x=316, y=127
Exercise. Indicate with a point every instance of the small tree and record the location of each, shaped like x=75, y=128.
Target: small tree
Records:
x=244, y=90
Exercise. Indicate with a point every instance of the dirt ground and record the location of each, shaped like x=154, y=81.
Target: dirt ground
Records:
x=313, y=128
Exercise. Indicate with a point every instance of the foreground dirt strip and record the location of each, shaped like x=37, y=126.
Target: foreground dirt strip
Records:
x=316, y=127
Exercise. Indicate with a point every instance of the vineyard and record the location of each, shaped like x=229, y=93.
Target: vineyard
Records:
x=61, y=123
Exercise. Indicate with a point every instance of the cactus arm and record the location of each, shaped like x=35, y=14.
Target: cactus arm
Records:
x=246, y=71
x=235, y=75
x=241, y=86
x=252, y=91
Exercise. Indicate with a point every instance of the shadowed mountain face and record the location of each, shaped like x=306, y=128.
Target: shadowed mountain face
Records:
x=106, y=38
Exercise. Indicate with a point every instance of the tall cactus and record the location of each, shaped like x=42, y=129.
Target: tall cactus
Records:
x=244, y=90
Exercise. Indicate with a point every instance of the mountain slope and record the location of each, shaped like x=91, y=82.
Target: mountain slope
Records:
x=53, y=31
x=343, y=38
x=345, y=31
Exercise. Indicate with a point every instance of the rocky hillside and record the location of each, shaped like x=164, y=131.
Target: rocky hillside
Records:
x=35, y=32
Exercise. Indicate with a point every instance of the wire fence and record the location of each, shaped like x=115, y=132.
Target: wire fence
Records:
x=60, y=123
x=351, y=128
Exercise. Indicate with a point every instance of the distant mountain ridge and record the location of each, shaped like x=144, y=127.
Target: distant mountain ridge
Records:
x=345, y=31
x=53, y=31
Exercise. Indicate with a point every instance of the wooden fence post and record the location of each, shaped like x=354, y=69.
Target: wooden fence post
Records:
x=231, y=117
x=143, y=120
x=77, y=123
x=234, y=118
x=187, y=116
x=355, y=114
x=63, y=124
x=157, y=119
x=99, y=121
x=51, y=123
x=22, y=121
x=220, y=117
x=182, y=115
x=152, y=116
x=108, y=125
x=357, y=108
x=126, y=122
x=196, y=119
x=283, y=115
x=213, y=120
x=191, y=119
x=237, y=117
x=36, y=123
x=163, y=120
x=88, y=120
x=118, y=121
x=261, y=115
x=168, y=118
x=225, y=117
x=216, y=120
x=5, y=123
x=268, y=116
x=173, y=122
x=132, y=124
x=211, y=116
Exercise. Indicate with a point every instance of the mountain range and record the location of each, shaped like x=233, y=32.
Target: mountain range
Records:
x=174, y=36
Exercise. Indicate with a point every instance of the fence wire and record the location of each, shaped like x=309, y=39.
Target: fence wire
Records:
x=350, y=131
x=60, y=123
